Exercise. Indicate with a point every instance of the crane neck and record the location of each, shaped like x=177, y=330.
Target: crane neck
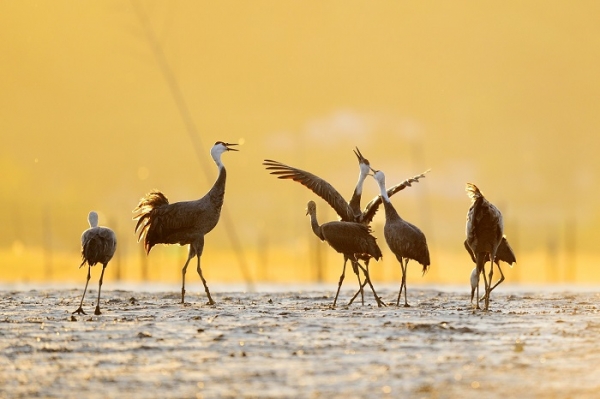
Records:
x=390, y=211
x=356, y=196
x=315, y=225
x=217, y=192
x=93, y=219
x=216, y=156
x=384, y=195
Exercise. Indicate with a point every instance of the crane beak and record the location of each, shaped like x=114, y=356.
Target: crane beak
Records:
x=230, y=149
x=360, y=157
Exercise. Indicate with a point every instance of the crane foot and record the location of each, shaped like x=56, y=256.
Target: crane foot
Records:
x=79, y=311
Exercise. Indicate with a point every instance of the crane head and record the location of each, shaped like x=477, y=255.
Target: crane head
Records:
x=361, y=160
x=378, y=176
x=311, y=208
x=224, y=146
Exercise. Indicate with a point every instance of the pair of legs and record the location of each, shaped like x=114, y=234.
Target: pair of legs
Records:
x=404, y=267
x=195, y=250
x=481, y=260
x=97, y=311
x=365, y=270
x=355, y=269
x=474, y=281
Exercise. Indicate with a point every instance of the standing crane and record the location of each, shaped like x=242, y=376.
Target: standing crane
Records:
x=484, y=234
x=183, y=223
x=405, y=240
x=505, y=254
x=349, y=239
x=347, y=211
x=98, y=245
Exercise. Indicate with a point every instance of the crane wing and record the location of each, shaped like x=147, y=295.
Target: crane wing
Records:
x=313, y=183
x=504, y=253
x=373, y=205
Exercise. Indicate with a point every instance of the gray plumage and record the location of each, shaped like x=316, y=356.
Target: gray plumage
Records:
x=348, y=238
x=504, y=253
x=484, y=231
x=183, y=223
x=404, y=239
x=98, y=245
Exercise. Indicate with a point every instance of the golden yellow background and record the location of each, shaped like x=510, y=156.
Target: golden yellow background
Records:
x=93, y=102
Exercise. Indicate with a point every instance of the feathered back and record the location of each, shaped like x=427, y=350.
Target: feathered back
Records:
x=154, y=199
x=351, y=238
x=98, y=245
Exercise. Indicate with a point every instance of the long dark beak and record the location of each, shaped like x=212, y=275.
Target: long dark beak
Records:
x=358, y=155
x=230, y=149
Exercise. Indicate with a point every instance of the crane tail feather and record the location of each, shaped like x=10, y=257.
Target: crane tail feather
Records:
x=473, y=192
x=144, y=215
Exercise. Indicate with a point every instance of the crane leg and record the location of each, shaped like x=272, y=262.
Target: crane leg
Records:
x=406, y=305
x=340, y=282
x=489, y=283
x=210, y=300
x=380, y=303
x=490, y=280
x=365, y=270
x=401, y=282
x=97, y=311
x=403, y=267
x=486, y=287
x=501, y=278
x=362, y=285
x=480, y=263
x=190, y=256
x=80, y=309
x=355, y=267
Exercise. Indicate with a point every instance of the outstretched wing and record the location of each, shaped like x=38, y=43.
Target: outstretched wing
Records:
x=373, y=205
x=313, y=183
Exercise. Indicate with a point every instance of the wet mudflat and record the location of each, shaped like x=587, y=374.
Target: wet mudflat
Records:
x=293, y=344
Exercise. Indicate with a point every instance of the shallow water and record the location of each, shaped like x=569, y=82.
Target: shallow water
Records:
x=532, y=343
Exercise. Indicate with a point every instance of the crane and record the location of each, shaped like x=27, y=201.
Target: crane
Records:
x=484, y=231
x=349, y=239
x=186, y=222
x=404, y=239
x=98, y=245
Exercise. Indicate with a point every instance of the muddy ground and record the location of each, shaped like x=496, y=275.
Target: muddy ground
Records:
x=532, y=343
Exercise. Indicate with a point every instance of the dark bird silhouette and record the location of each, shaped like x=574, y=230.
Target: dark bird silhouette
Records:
x=504, y=253
x=347, y=238
x=484, y=234
x=98, y=245
x=404, y=239
x=183, y=223
x=348, y=211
